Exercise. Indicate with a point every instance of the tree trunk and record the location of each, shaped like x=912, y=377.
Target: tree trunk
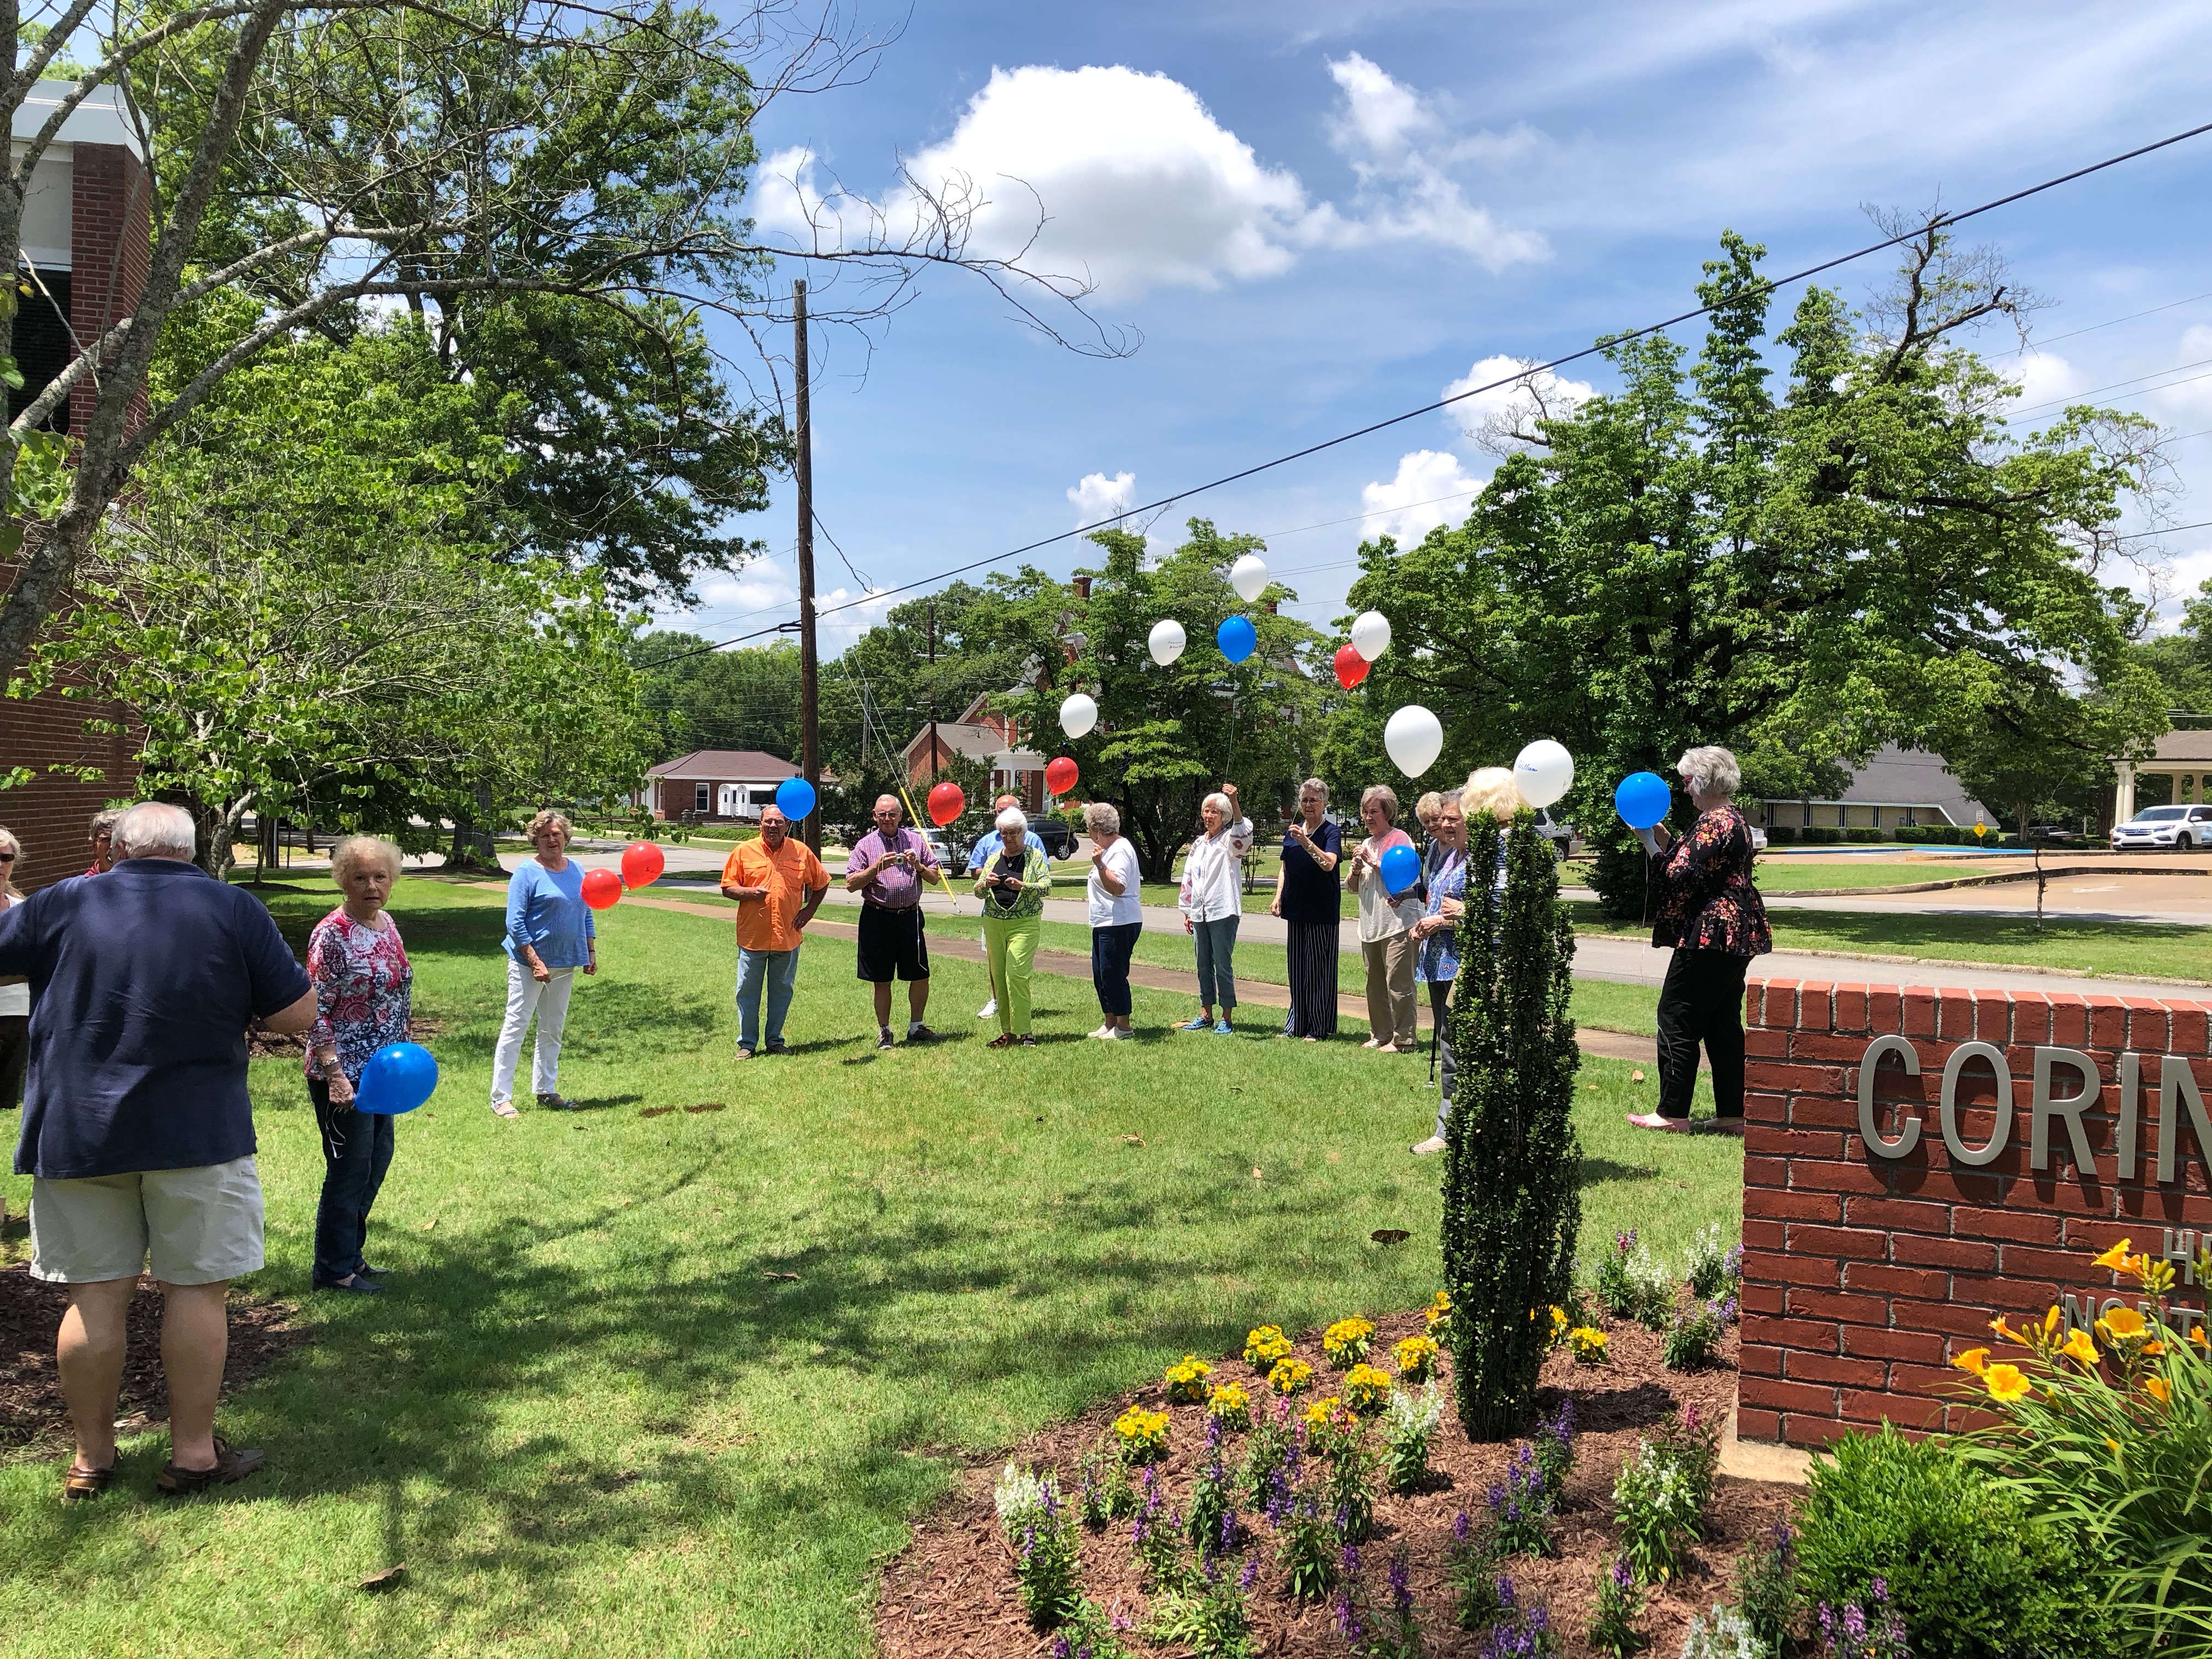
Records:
x=472, y=847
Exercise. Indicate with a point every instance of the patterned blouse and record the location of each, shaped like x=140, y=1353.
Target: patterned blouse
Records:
x=1706, y=900
x=1435, y=960
x=1034, y=870
x=364, y=990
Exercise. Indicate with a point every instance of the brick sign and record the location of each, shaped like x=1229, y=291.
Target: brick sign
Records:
x=1918, y=1162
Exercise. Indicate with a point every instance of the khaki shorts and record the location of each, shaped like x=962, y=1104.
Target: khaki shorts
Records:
x=200, y=1226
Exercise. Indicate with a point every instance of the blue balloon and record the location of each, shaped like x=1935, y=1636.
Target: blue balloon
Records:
x=399, y=1077
x=794, y=797
x=1401, y=868
x=1641, y=799
x=1237, y=637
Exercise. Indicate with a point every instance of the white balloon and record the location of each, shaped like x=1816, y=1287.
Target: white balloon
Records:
x=1371, y=633
x=1167, y=640
x=1545, y=771
x=1078, y=714
x=1249, y=576
x=1415, y=738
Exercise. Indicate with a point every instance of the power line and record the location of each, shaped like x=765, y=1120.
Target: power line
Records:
x=2075, y=397
x=2110, y=322
x=1520, y=376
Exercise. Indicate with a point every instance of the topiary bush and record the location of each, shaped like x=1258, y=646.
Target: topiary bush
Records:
x=1972, y=1573
x=1512, y=1166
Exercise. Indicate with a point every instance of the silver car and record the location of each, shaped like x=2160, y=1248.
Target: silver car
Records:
x=2178, y=827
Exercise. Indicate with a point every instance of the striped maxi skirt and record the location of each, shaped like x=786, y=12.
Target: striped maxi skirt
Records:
x=1313, y=960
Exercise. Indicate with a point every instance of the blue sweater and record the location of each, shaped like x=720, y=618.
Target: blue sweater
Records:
x=545, y=910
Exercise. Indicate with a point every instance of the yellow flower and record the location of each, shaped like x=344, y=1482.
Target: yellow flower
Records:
x=1417, y=1358
x=1346, y=1342
x=2007, y=1332
x=1366, y=1388
x=1185, y=1380
x=2158, y=1389
x=1290, y=1376
x=2117, y=1257
x=2198, y=1337
x=2123, y=1325
x=2051, y=1321
x=1143, y=1434
x=2154, y=1350
x=2006, y=1383
x=2080, y=1347
x=1265, y=1346
x=1974, y=1359
x=1317, y=1415
x=1438, y=1312
x=1230, y=1404
x=1587, y=1343
x=1558, y=1321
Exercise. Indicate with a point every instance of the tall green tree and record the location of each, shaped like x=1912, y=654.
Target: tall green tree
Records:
x=1869, y=554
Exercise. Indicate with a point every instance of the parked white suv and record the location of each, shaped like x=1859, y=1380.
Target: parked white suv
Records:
x=2178, y=827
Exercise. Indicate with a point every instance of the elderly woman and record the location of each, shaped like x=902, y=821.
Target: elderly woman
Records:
x=1012, y=886
x=15, y=990
x=1309, y=902
x=363, y=992
x=1211, y=901
x=1713, y=919
x=1435, y=963
x=1386, y=926
x=1117, y=915
x=550, y=935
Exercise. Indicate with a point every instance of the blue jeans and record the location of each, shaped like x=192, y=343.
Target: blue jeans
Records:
x=778, y=971
x=356, y=1151
x=1110, y=950
x=1217, y=963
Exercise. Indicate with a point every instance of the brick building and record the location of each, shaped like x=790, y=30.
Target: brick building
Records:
x=86, y=241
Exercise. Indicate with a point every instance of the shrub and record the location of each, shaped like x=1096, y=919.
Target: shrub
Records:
x=1693, y=1341
x=1043, y=1537
x=1723, y=1633
x=1512, y=1166
x=1767, y=1585
x=1230, y=1404
x=1409, y=1421
x=1972, y=1573
x=1620, y=1604
x=1782, y=835
x=2107, y=1434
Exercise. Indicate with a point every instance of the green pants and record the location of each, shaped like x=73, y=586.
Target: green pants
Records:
x=1011, y=947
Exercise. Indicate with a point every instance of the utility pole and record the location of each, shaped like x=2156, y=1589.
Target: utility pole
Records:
x=810, y=667
x=934, y=760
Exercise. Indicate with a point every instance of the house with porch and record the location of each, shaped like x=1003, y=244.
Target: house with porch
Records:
x=1896, y=789
x=2183, y=758
x=981, y=734
x=715, y=786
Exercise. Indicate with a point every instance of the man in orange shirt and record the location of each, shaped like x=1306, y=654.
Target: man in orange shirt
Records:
x=779, y=885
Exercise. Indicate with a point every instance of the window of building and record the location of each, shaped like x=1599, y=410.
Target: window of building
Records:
x=703, y=798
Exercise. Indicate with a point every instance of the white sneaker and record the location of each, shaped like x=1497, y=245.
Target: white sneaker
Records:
x=1119, y=1034
x=1102, y=1031
x=1424, y=1148
x=987, y=1009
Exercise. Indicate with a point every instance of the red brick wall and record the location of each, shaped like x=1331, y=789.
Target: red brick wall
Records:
x=110, y=246
x=1865, y=1275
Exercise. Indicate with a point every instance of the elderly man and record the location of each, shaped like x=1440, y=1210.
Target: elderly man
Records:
x=887, y=868
x=987, y=848
x=778, y=884
x=137, y=1132
x=100, y=833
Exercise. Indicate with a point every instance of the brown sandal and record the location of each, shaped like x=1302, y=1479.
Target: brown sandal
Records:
x=81, y=1485
x=230, y=1464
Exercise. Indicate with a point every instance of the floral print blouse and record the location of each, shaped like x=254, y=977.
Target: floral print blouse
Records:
x=1706, y=900
x=364, y=990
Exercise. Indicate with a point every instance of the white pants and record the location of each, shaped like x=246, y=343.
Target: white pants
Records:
x=549, y=1002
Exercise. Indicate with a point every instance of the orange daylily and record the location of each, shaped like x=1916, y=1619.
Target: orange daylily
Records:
x=1974, y=1359
x=2117, y=1257
x=2007, y=1384
x=2079, y=1347
x=2158, y=1389
x=2122, y=1325
x=2007, y=1332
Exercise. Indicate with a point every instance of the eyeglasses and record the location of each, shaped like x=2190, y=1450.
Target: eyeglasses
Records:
x=7, y=858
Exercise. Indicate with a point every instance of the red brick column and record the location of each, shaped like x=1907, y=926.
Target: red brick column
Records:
x=1868, y=1267
x=109, y=248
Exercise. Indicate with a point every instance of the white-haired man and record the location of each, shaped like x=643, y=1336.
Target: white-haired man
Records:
x=778, y=884
x=137, y=1130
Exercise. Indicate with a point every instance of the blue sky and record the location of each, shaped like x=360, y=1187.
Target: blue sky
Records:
x=1320, y=215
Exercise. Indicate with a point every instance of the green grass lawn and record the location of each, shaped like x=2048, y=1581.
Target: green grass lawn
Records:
x=1800, y=875
x=589, y=1421
x=2116, y=949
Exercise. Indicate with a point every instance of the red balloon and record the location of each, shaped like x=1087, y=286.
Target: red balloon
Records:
x=1060, y=775
x=601, y=888
x=641, y=864
x=1350, y=666
x=946, y=803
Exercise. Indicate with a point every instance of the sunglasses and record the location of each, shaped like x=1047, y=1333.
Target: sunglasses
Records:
x=7, y=858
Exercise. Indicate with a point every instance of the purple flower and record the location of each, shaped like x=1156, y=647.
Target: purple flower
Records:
x=1626, y=1240
x=1459, y=1527
x=1623, y=1576
x=1853, y=1622
x=1061, y=1649
x=1351, y=1560
x=1402, y=1582
x=1246, y=1578
x=1879, y=1588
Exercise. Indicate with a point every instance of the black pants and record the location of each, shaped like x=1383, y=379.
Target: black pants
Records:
x=14, y=1054
x=356, y=1151
x=1110, y=951
x=1701, y=1001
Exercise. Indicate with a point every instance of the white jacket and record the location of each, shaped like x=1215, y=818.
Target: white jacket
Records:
x=1213, y=876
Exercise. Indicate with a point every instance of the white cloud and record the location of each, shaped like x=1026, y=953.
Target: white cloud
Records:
x=1099, y=497
x=765, y=592
x=1126, y=180
x=1399, y=149
x=1431, y=487
x=2043, y=377
x=1488, y=416
x=2187, y=395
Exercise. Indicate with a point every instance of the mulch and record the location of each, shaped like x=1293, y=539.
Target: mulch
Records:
x=952, y=1590
x=33, y=1423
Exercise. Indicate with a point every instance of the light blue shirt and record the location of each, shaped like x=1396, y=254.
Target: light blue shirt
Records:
x=545, y=910
x=985, y=850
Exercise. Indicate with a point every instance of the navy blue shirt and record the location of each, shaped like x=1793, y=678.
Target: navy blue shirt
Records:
x=1310, y=893
x=143, y=981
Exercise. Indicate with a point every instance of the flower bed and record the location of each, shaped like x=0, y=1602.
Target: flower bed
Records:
x=955, y=1588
